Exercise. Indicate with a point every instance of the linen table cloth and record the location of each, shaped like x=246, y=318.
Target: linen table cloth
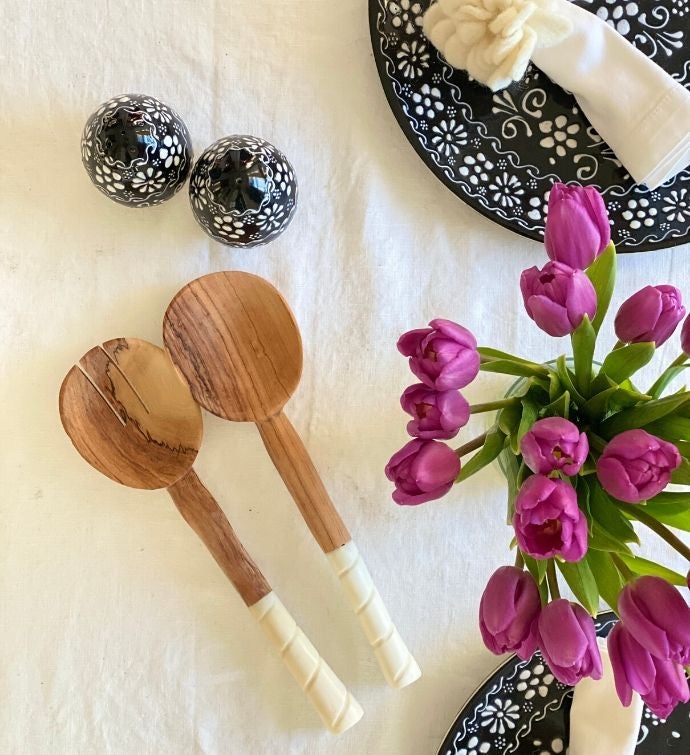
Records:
x=118, y=632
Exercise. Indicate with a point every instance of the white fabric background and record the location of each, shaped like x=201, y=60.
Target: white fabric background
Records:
x=118, y=633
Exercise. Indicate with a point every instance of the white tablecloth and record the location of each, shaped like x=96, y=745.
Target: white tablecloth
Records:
x=118, y=633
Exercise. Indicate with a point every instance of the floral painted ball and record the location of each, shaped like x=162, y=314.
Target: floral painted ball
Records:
x=136, y=150
x=243, y=191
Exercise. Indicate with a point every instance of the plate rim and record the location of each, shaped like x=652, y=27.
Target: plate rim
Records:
x=414, y=142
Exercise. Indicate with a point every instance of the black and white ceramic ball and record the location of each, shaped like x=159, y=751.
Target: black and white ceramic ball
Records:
x=136, y=150
x=243, y=191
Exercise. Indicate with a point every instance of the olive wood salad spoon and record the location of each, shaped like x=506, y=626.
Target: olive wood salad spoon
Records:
x=236, y=342
x=129, y=414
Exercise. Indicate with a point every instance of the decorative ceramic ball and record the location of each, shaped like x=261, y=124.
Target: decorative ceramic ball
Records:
x=243, y=191
x=136, y=150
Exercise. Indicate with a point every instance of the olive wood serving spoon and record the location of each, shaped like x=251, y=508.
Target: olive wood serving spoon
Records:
x=237, y=344
x=129, y=414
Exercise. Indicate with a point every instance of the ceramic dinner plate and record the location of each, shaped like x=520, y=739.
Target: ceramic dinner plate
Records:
x=500, y=153
x=523, y=709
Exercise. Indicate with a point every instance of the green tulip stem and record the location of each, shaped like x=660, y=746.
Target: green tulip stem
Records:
x=519, y=560
x=491, y=406
x=471, y=445
x=552, y=579
x=656, y=526
x=627, y=573
x=597, y=443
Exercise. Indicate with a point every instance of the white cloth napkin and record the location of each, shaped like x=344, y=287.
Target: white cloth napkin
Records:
x=599, y=724
x=641, y=112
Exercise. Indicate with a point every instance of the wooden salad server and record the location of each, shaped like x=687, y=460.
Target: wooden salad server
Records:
x=129, y=414
x=236, y=342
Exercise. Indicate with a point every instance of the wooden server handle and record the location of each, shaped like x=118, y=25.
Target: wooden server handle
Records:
x=203, y=514
x=292, y=461
x=335, y=705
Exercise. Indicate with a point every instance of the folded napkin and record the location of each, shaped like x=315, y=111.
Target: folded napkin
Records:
x=641, y=112
x=599, y=724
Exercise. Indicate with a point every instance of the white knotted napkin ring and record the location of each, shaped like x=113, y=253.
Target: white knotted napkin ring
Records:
x=493, y=40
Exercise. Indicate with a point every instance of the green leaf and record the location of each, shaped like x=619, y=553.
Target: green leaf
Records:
x=511, y=469
x=673, y=428
x=485, y=351
x=601, y=540
x=641, y=567
x=602, y=273
x=584, y=340
x=509, y=418
x=530, y=412
x=493, y=445
x=640, y=416
x=607, y=577
x=666, y=377
x=566, y=377
x=537, y=568
x=507, y=367
x=621, y=363
x=558, y=408
x=681, y=476
x=613, y=398
x=555, y=387
x=581, y=581
x=672, y=509
x=608, y=515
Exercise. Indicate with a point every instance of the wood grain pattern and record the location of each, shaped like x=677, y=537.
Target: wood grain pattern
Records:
x=132, y=417
x=295, y=466
x=236, y=342
x=206, y=518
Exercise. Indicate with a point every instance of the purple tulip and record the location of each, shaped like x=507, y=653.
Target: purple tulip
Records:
x=436, y=414
x=554, y=443
x=508, y=612
x=577, y=225
x=652, y=314
x=557, y=297
x=636, y=466
x=568, y=642
x=658, y=617
x=548, y=522
x=670, y=688
x=633, y=665
x=685, y=337
x=422, y=470
x=443, y=356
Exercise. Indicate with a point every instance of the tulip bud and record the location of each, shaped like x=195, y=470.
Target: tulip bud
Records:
x=422, y=471
x=652, y=314
x=508, y=612
x=558, y=297
x=437, y=415
x=635, y=466
x=577, y=225
x=554, y=443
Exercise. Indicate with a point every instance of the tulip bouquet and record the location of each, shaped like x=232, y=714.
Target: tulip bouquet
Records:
x=586, y=452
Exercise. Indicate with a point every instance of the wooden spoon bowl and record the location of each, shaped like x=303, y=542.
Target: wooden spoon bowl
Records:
x=130, y=416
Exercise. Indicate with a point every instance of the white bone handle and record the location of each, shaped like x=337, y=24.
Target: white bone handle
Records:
x=335, y=705
x=398, y=666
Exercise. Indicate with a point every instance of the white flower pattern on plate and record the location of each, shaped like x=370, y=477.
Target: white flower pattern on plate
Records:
x=535, y=684
x=500, y=715
x=677, y=205
x=406, y=15
x=428, y=101
x=506, y=189
x=475, y=747
x=559, y=135
x=413, y=58
x=640, y=212
x=448, y=137
x=476, y=169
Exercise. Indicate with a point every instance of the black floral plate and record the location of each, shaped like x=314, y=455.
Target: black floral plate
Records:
x=523, y=709
x=501, y=152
